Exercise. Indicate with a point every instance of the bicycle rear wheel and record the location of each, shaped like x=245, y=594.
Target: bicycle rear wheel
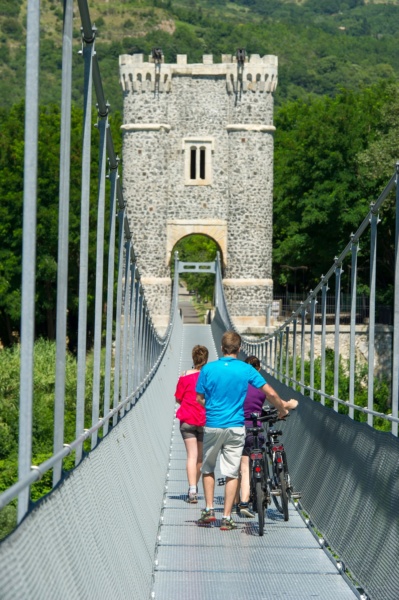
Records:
x=252, y=498
x=260, y=506
x=281, y=502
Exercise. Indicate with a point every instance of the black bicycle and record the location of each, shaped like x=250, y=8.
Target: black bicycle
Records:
x=258, y=473
x=282, y=489
x=269, y=473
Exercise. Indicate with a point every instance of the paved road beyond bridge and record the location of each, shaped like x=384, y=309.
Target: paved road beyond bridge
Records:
x=189, y=314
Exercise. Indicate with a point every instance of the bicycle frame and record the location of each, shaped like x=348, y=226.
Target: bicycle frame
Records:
x=257, y=454
x=276, y=450
x=259, y=474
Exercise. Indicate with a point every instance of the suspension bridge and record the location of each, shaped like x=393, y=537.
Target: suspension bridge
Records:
x=116, y=525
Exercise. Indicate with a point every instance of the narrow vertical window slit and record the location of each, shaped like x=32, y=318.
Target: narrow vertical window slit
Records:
x=193, y=160
x=202, y=163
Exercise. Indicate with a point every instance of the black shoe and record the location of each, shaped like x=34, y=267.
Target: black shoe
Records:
x=244, y=510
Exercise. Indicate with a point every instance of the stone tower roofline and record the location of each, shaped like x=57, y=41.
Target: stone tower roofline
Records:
x=257, y=74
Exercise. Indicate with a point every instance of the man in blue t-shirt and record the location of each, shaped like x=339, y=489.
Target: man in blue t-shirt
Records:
x=221, y=387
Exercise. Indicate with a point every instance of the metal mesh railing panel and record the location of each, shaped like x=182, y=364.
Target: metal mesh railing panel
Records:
x=95, y=535
x=348, y=474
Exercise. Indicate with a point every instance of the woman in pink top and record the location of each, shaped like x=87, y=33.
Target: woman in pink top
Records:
x=192, y=419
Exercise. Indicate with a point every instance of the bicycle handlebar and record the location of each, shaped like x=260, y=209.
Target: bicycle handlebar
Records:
x=271, y=415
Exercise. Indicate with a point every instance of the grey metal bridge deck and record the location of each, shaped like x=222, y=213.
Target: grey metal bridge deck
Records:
x=205, y=563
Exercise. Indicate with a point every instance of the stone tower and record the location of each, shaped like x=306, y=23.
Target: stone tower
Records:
x=198, y=158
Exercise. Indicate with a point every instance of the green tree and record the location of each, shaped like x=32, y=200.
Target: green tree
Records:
x=11, y=212
x=376, y=165
x=318, y=187
x=11, y=190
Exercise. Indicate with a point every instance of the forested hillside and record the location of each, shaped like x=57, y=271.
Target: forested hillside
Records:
x=337, y=117
x=322, y=45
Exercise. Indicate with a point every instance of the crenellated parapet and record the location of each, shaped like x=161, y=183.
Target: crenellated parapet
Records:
x=255, y=74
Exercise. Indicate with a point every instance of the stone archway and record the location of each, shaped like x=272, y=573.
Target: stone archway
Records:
x=196, y=285
x=216, y=229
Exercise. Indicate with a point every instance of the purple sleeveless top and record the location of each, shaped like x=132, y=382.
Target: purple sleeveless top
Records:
x=254, y=401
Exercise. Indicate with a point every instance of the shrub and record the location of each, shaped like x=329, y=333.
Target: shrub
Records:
x=10, y=8
x=12, y=28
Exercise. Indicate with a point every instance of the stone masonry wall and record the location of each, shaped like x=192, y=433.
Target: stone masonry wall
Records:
x=382, y=346
x=226, y=109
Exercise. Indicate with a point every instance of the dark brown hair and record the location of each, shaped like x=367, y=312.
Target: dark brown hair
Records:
x=254, y=361
x=200, y=356
x=231, y=342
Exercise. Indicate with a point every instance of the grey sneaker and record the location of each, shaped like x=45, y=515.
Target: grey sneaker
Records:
x=235, y=509
x=245, y=512
x=207, y=516
x=192, y=497
x=228, y=524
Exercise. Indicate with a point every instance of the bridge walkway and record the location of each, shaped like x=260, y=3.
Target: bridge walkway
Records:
x=204, y=563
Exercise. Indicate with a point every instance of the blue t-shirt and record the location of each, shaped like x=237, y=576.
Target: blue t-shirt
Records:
x=224, y=384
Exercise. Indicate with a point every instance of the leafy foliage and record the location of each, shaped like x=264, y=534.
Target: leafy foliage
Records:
x=43, y=416
x=11, y=190
x=381, y=388
x=43, y=405
x=323, y=177
x=10, y=8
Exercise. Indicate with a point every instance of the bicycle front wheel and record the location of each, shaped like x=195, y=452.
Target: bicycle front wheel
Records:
x=260, y=506
x=281, y=502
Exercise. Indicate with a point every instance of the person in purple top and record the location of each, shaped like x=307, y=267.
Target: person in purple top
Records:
x=254, y=400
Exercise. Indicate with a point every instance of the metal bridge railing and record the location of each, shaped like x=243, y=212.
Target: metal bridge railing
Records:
x=133, y=349
x=285, y=352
